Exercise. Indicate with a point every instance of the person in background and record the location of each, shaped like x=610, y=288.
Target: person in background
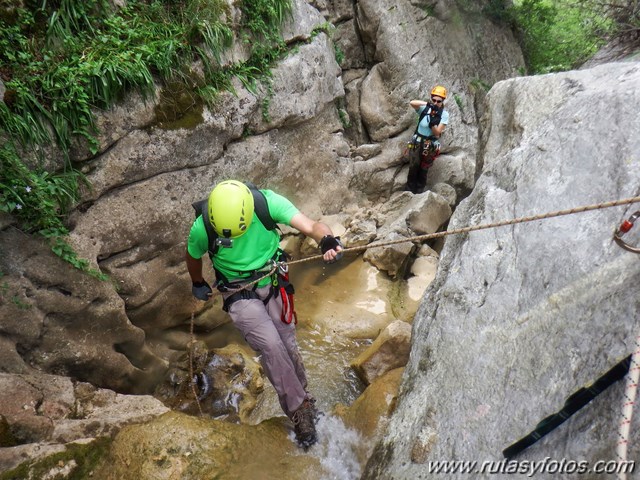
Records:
x=424, y=146
x=243, y=249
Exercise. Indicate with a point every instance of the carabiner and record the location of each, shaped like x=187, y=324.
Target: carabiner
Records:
x=283, y=268
x=624, y=228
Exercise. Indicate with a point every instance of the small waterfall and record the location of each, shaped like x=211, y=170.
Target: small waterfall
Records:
x=339, y=449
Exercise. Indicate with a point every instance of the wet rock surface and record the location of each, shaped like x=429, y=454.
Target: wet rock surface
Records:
x=181, y=446
x=225, y=385
x=389, y=351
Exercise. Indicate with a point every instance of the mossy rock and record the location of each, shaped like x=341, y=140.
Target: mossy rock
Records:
x=77, y=462
x=179, y=107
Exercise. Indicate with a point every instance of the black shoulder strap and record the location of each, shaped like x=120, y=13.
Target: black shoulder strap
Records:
x=260, y=207
x=424, y=113
x=202, y=208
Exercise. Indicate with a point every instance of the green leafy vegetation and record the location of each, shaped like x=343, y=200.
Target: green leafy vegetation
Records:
x=341, y=108
x=344, y=118
x=266, y=101
x=60, y=61
x=479, y=84
x=330, y=30
x=338, y=53
x=459, y=102
x=558, y=35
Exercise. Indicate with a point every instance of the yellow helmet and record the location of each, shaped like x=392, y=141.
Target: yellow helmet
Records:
x=230, y=208
x=439, y=91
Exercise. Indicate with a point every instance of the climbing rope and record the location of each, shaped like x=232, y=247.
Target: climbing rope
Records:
x=192, y=377
x=418, y=238
x=634, y=369
x=430, y=236
x=627, y=410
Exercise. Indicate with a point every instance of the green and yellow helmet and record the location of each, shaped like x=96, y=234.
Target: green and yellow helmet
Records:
x=230, y=208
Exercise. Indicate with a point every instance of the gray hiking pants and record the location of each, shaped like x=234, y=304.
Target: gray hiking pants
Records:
x=276, y=343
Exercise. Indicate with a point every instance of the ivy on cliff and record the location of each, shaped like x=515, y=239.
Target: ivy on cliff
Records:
x=60, y=61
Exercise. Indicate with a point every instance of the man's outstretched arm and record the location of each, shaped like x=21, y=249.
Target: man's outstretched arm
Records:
x=318, y=231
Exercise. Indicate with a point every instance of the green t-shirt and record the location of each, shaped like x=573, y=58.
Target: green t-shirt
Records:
x=250, y=251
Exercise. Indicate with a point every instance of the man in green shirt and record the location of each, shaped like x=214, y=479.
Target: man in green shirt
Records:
x=245, y=247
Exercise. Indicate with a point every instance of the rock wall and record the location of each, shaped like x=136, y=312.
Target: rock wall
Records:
x=520, y=317
x=408, y=47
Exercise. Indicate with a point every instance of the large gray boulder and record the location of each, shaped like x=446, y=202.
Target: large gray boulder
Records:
x=520, y=317
x=404, y=216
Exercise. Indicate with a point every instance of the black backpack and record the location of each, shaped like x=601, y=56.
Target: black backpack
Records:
x=259, y=204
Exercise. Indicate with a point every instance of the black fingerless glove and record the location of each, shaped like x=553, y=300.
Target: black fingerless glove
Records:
x=329, y=242
x=201, y=290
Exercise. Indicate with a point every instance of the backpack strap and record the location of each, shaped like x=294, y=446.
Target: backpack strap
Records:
x=424, y=113
x=261, y=207
x=201, y=208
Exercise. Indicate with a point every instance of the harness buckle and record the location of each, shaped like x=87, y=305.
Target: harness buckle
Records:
x=224, y=242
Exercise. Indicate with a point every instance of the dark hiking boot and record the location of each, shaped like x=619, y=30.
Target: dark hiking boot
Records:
x=304, y=424
x=316, y=412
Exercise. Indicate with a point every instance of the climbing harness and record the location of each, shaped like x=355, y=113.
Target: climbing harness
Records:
x=286, y=291
x=428, y=147
x=278, y=270
x=624, y=228
x=429, y=153
x=574, y=403
x=239, y=290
